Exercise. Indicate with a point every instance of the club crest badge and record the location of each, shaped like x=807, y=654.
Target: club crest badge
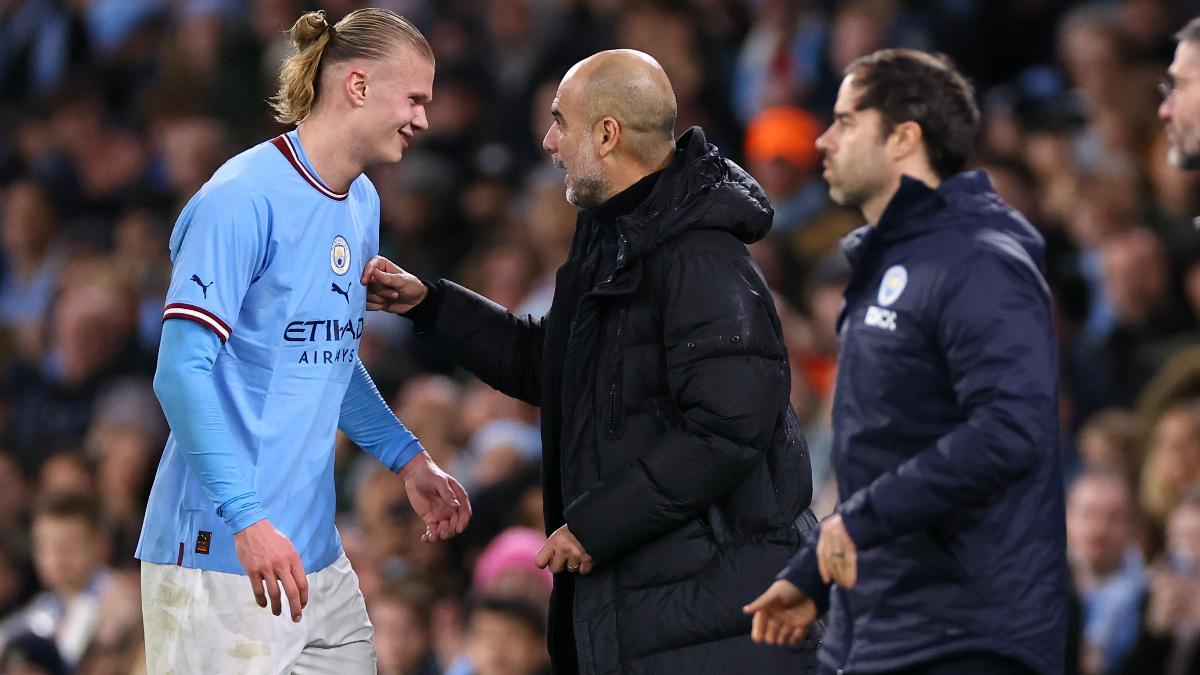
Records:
x=339, y=256
x=894, y=281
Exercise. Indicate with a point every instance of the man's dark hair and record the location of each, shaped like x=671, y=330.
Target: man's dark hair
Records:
x=1190, y=32
x=523, y=611
x=906, y=85
x=70, y=506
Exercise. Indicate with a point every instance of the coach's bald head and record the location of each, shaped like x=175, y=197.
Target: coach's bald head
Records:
x=614, y=123
x=631, y=87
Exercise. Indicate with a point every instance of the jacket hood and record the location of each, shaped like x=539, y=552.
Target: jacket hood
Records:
x=699, y=190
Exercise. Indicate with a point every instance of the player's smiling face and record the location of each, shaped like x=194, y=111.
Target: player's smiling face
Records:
x=398, y=90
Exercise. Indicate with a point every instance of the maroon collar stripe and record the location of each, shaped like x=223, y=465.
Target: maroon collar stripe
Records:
x=284, y=143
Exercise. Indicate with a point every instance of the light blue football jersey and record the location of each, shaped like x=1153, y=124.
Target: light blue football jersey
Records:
x=269, y=258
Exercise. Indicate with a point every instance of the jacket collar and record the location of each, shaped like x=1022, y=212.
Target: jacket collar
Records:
x=912, y=210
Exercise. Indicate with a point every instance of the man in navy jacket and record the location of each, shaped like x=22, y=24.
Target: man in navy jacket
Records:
x=947, y=552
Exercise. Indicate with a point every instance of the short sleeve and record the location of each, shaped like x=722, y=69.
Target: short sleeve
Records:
x=217, y=250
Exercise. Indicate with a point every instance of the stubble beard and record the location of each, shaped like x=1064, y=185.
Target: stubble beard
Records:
x=1180, y=159
x=589, y=187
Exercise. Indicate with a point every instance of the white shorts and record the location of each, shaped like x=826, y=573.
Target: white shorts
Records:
x=198, y=621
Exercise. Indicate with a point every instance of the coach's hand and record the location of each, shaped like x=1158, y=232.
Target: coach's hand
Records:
x=270, y=558
x=390, y=288
x=837, y=556
x=781, y=615
x=563, y=552
x=436, y=497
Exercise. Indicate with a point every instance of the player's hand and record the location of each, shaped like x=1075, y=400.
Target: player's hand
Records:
x=270, y=558
x=837, y=556
x=436, y=497
x=390, y=288
x=781, y=615
x=563, y=552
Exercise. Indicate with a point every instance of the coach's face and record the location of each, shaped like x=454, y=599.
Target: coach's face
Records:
x=856, y=164
x=1180, y=109
x=571, y=142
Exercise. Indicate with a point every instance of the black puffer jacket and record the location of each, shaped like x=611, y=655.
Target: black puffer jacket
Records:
x=669, y=445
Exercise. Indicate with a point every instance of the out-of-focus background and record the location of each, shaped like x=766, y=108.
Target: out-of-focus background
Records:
x=113, y=112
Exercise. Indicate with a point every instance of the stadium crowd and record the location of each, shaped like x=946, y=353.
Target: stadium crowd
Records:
x=113, y=113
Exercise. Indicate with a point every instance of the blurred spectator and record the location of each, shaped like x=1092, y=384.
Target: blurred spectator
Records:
x=431, y=405
x=71, y=554
x=92, y=340
x=1106, y=566
x=1169, y=641
x=1172, y=459
x=402, y=616
x=499, y=451
x=40, y=42
x=780, y=58
x=70, y=472
x=28, y=233
x=1111, y=441
x=1149, y=325
x=506, y=637
x=507, y=568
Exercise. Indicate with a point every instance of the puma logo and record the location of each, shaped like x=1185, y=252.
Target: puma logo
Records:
x=202, y=285
x=339, y=291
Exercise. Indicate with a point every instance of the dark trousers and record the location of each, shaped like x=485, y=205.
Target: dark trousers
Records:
x=974, y=663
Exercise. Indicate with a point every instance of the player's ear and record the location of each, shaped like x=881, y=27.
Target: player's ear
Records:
x=356, y=86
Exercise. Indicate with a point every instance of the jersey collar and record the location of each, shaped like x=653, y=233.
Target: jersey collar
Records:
x=290, y=147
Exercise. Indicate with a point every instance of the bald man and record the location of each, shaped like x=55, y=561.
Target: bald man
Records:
x=676, y=477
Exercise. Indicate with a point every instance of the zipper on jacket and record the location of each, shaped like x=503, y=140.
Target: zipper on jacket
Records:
x=615, y=370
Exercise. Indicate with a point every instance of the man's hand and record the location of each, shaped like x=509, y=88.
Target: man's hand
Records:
x=781, y=615
x=390, y=288
x=837, y=556
x=1172, y=600
x=436, y=497
x=270, y=558
x=563, y=552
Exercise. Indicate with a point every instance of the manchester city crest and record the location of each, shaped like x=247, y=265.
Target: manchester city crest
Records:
x=894, y=281
x=339, y=256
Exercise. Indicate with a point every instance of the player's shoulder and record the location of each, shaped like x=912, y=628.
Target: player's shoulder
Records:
x=243, y=181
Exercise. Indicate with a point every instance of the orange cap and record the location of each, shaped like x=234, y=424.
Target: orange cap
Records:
x=784, y=132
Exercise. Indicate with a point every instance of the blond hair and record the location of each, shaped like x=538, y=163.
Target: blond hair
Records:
x=364, y=33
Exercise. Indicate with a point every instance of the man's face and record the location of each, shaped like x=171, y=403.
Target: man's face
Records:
x=401, y=639
x=501, y=645
x=1099, y=524
x=1183, y=534
x=570, y=144
x=64, y=553
x=1180, y=109
x=856, y=165
x=398, y=89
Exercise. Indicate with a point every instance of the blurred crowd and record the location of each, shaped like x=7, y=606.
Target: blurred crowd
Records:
x=113, y=112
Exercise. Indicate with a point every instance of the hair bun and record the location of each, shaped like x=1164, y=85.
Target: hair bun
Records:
x=308, y=29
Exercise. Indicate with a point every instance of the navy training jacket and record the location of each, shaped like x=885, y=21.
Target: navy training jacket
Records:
x=946, y=442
